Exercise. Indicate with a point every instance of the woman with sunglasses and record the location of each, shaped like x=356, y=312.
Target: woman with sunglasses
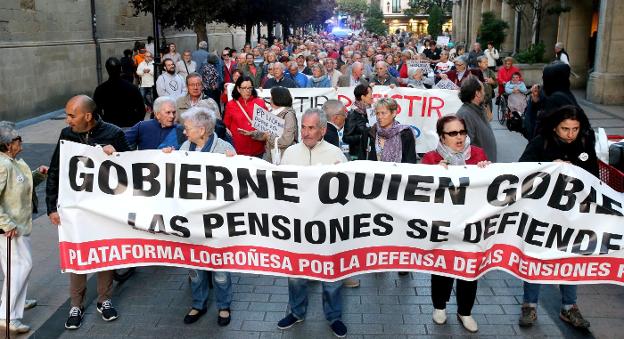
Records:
x=238, y=117
x=454, y=148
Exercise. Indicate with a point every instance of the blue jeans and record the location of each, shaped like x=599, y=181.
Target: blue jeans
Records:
x=200, y=291
x=148, y=95
x=531, y=294
x=298, y=299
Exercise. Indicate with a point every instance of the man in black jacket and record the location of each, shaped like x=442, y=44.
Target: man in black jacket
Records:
x=336, y=117
x=84, y=127
x=118, y=101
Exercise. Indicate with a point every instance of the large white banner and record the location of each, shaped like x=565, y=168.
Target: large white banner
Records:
x=549, y=222
x=419, y=108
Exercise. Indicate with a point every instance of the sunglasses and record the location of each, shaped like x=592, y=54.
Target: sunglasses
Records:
x=455, y=133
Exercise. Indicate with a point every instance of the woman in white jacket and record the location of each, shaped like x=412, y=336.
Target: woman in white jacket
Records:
x=492, y=55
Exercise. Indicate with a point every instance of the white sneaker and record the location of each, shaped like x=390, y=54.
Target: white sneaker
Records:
x=15, y=326
x=468, y=322
x=439, y=316
x=30, y=303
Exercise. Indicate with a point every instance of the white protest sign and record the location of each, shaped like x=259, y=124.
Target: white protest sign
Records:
x=265, y=121
x=420, y=108
x=542, y=222
x=442, y=40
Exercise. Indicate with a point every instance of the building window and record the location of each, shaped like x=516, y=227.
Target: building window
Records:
x=396, y=6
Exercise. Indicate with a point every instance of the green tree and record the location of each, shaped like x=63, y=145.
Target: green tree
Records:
x=420, y=7
x=492, y=29
x=351, y=7
x=374, y=21
x=435, y=21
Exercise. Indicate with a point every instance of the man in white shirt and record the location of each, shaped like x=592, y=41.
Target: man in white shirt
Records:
x=145, y=71
x=186, y=66
x=169, y=83
x=313, y=150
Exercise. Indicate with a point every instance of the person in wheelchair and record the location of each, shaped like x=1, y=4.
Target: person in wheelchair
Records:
x=505, y=73
x=516, y=92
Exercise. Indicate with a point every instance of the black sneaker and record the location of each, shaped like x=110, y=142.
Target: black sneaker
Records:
x=339, y=329
x=75, y=318
x=288, y=322
x=107, y=310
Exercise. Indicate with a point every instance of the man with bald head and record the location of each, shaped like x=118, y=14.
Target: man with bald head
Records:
x=382, y=76
x=85, y=127
x=355, y=78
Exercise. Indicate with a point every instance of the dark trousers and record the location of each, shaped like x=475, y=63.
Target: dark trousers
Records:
x=465, y=293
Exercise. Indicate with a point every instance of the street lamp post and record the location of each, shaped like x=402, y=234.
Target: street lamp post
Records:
x=156, y=45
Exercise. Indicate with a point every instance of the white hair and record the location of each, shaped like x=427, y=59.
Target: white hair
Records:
x=201, y=117
x=158, y=103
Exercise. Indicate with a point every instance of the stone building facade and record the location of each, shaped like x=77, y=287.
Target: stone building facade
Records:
x=48, y=53
x=574, y=29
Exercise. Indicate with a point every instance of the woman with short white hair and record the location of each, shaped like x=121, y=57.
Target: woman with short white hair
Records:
x=199, y=126
x=16, y=186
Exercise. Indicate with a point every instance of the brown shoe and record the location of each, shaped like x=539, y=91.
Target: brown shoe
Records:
x=573, y=317
x=528, y=316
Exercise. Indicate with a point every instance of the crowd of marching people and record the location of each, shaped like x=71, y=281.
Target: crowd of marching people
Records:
x=205, y=102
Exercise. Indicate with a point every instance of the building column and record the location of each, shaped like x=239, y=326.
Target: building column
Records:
x=475, y=22
x=574, y=33
x=604, y=84
x=495, y=6
x=461, y=22
x=508, y=15
x=485, y=6
x=455, y=18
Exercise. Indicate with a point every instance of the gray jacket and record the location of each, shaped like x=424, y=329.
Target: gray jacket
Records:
x=479, y=129
x=218, y=146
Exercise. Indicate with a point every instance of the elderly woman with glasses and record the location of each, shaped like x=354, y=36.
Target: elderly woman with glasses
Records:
x=199, y=126
x=461, y=71
x=238, y=117
x=454, y=148
x=17, y=182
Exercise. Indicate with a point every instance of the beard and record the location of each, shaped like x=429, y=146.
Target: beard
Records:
x=171, y=71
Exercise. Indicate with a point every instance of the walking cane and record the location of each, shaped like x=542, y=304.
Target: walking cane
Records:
x=8, y=285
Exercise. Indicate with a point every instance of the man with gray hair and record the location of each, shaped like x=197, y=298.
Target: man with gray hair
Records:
x=200, y=55
x=278, y=78
x=332, y=73
x=382, y=76
x=355, y=78
x=561, y=54
x=160, y=132
x=313, y=150
x=336, y=118
x=85, y=127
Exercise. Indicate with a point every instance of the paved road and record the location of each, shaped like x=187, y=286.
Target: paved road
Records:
x=154, y=301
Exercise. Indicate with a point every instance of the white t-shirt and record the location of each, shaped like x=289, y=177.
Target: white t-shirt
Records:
x=443, y=67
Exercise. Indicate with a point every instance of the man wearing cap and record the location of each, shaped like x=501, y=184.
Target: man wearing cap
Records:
x=85, y=127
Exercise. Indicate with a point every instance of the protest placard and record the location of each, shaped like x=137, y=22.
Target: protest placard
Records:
x=265, y=121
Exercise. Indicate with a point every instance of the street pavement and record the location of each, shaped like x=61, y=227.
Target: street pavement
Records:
x=153, y=302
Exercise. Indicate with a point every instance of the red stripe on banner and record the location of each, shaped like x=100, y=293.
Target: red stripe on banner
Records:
x=114, y=253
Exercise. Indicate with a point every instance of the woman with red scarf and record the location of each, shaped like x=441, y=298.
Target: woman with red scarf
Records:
x=239, y=116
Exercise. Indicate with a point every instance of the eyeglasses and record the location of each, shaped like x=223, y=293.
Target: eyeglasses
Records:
x=246, y=88
x=462, y=132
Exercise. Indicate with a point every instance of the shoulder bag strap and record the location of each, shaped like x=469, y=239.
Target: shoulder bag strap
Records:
x=244, y=112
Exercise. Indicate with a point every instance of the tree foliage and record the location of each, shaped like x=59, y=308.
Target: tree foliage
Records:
x=492, y=29
x=352, y=7
x=191, y=14
x=421, y=7
x=532, y=12
x=374, y=21
x=435, y=21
